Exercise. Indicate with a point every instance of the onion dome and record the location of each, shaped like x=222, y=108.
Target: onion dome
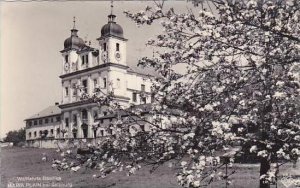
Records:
x=74, y=42
x=112, y=28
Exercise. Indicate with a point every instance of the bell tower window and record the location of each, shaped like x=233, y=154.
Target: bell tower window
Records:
x=104, y=47
x=66, y=58
x=87, y=59
x=83, y=60
x=117, y=47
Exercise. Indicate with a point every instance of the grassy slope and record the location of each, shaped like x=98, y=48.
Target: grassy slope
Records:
x=17, y=162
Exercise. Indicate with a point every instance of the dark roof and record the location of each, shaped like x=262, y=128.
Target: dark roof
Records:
x=112, y=28
x=49, y=111
x=74, y=42
x=143, y=71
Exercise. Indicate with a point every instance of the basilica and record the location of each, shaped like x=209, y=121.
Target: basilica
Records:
x=84, y=70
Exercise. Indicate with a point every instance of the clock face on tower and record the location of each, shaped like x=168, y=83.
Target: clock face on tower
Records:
x=118, y=56
x=67, y=67
x=104, y=56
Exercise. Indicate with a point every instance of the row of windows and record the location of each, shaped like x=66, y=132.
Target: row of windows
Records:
x=41, y=133
x=43, y=121
x=85, y=86
x=85, y=59
x=143, y=99
x=117, y=47
x=84, y=116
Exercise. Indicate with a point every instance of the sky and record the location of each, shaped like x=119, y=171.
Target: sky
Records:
x=33, y=33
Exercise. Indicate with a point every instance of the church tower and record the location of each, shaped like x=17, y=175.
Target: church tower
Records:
x=112, y=42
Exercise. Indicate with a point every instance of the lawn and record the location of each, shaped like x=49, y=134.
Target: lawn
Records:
x=27, y=162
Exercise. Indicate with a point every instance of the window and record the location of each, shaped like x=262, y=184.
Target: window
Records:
x=118, y=83
x=84, y=115
x=84, y=83
x=87, y=58
x=51, y=131
x=66, y=58
x=34, y=134
x=83, y=60
x=57, y=119
x=29, y=123
x=104, y=82
x=143, y=87
x=74, y=119
x=110, y=131
x=117, y=47
x=74, y=89
x=40, y=121
x=101, y=121
x=104, y=113
x=46, y=120
x=35, y=122
x=95, y=115
x=101, y=132
x=67, y=91
x=142, y=127
x=134, y=97
x=143, y=100
x=67, y=122
x=104, y=46
x=29, y=134
x=40, y=133
x=152, y=98
x=95, y=83
x=51, y=119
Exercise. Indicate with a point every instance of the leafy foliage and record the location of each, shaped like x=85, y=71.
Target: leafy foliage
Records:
x=16, y=136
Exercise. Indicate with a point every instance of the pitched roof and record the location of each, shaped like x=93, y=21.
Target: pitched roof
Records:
x=143, y=71
x=49, y=111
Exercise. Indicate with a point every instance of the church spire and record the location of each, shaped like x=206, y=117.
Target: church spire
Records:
x=111, y=17
x=74, y=22
x=74, y=30
x=111, y=7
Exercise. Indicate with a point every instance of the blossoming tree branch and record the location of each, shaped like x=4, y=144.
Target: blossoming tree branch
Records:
x=229, y=78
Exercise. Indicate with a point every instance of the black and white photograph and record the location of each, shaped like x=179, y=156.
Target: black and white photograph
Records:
x=150, y=94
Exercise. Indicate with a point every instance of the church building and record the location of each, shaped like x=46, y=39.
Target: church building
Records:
x=85, y=70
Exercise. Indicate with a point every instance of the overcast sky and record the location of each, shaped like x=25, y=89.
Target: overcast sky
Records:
x=32, y=34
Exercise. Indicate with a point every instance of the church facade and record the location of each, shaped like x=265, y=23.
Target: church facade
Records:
x=86, y=70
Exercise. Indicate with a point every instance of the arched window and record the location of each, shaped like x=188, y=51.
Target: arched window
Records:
x=29, y=134
x=117, y=47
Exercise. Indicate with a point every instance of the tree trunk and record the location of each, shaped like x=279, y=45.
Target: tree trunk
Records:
x=265, y=164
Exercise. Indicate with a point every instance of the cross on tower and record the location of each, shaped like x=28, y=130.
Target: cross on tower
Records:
x=74, y=22
x=111, y=6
